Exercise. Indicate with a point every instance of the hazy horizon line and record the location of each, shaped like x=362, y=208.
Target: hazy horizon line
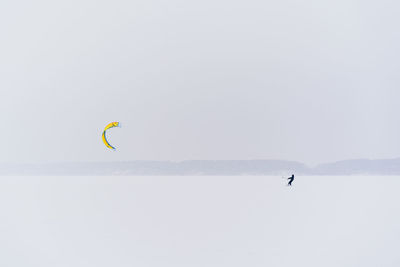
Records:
x=189, y=160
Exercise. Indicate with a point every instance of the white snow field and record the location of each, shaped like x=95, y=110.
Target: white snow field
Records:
x=183, y=221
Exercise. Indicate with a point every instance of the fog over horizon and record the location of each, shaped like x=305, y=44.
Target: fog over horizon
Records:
x=312, y=82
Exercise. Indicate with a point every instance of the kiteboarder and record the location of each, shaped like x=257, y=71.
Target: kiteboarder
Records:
x=291, y=178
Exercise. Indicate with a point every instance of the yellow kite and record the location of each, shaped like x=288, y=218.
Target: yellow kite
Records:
x=110, y=125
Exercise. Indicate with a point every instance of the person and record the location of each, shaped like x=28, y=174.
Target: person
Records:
x=291, y=180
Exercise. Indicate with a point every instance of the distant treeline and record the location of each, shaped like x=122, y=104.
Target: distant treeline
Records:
x=207, y=167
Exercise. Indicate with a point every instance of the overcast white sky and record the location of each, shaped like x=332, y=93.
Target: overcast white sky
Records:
x=312, y=81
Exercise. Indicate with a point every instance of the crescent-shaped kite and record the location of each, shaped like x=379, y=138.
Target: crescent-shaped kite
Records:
x=110, y=125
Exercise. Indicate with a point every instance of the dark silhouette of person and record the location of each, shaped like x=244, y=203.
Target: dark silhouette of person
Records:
x=291, y=178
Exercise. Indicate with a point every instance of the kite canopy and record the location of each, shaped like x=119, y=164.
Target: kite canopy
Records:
x=109, y=126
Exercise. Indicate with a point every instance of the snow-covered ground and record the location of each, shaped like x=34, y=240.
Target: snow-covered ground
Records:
x=199, y=221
